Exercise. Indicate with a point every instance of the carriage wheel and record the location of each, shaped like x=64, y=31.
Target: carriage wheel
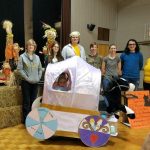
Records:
x=41, y=124
x=94, y=131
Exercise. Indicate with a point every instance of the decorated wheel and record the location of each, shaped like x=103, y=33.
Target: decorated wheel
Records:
x=41, y=124
x=94, y=131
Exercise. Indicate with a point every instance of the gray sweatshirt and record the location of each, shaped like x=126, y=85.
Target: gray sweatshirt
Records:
x=30, y=69
x=68, y=51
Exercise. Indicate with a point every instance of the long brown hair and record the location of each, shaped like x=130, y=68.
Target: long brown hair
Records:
x=58, y=56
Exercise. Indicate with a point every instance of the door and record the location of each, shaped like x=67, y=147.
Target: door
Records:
x=103, y=49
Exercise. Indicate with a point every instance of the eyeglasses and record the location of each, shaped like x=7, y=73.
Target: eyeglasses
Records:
x=131, y=44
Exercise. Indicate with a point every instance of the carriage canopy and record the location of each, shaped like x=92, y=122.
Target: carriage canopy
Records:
x=82, y=88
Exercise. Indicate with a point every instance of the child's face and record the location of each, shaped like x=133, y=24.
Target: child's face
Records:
x=93, y=49
x=56, y=48
x=74, y=39
x=30, y=48
x=113, y=49
x=132, y=45
x=62, y=82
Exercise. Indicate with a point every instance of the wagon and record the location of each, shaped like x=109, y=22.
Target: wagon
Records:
x=69, y=108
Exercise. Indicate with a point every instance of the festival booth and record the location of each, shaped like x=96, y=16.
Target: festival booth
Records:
x=80, y=100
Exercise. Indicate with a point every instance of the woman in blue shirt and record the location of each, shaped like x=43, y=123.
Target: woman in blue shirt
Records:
x=132, y=62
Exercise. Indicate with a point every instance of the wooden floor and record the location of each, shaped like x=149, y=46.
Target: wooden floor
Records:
x=17, y=138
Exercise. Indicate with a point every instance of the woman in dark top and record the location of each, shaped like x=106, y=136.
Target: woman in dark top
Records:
x=55, y=55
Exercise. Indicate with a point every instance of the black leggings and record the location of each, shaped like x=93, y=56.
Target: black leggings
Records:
x=29, y=93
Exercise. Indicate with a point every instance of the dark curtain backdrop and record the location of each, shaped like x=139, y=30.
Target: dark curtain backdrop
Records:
x=48, y=11
x=11, y=10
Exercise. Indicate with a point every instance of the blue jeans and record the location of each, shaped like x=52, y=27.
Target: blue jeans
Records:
x=29, y=94
x=106, y=84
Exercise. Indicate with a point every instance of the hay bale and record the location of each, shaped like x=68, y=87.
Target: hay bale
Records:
x=10, y=96
x=10, y=116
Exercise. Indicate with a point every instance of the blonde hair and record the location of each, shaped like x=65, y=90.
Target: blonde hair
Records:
x=31, y=42
x=75, y=33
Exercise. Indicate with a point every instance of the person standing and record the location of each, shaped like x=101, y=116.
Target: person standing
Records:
x=73, y=48
x=55, y=55
x=132, y=62
x=30, y=69
x=93, y=58
x=111, y=67
x=146, y=80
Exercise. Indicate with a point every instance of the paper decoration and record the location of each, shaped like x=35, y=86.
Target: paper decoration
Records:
x=140, y=106
x=41, y=124
x=94, y=131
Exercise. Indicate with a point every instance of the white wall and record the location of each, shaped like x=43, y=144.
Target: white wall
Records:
x=102, y=13
x=132, y=17
x=125, y=18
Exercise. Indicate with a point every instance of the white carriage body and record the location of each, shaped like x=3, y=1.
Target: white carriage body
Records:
x=70, y=107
